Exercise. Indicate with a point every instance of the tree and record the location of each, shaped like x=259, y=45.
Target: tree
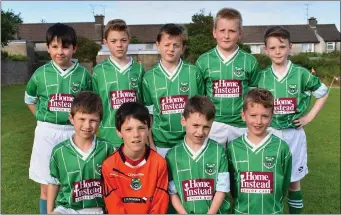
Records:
x=135, y=40
x=9, y=25
x=87, y=50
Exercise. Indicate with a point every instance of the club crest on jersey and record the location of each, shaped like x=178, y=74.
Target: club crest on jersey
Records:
x=135, y=184
x=75, y=87
x=210, y=169
x=269, y=161
x=292, y=88
x=238, y=71
x=133, y=82
x=184, y=86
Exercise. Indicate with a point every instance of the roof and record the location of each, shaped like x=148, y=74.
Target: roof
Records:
x=328, y=32
x=145, y=33
x=298, y=33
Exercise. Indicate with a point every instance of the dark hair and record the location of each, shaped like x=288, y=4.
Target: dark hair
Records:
x=115, y=25
x=259, y=96
x=63, y=32
x=172, y=30
x=87, y=102
x=229, y=14
x=132, y=109
x=200, y=104
x=278, y=32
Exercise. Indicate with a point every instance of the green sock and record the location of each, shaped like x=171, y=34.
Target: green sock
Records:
x=295, y=202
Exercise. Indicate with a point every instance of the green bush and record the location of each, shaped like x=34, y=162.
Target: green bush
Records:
x=15, y=57
x=87, y=50
x=263, y=60
x=4, y=55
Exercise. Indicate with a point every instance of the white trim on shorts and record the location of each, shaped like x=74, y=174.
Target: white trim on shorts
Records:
x=224, y=133
x=162, y=151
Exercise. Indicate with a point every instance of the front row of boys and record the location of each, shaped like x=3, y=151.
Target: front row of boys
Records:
x=135, y=179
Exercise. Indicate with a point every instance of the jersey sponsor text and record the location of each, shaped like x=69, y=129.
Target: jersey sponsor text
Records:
x=256, y=182
x=120, y=97
x=198, y=189
x=86, y=189
x=285, y=105
x=173, y=104
x=227, y=88
x=60, y=102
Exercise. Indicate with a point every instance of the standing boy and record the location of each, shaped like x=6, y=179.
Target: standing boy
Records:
x=167, y=87
x=198, y=172
x=75, y=167
x=228, y=72
x=135, y=176
x=118, y=79
x=49, y=94
x=259, y=162
x=292, y=86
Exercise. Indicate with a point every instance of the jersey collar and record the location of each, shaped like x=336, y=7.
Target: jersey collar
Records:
x=193, y=154
x=254, y=147
x=84, y=155
x=119, y=68
x=171, y=76
x=282, y=77
x=68, y=71
x=124, y=160
x=228, y=59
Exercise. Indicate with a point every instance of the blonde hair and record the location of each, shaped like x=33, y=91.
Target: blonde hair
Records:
x=116, y=25
x=230, y=14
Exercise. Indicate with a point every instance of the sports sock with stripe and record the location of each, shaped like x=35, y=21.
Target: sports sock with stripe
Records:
x=295, y=202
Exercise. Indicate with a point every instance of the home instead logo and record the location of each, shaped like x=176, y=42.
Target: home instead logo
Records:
x=198, y=189
x=285, y=105
x=256, y=182
x=227, y=88
x=86, y=189
x=120, y=97
x=173, y=104
x=60, y=102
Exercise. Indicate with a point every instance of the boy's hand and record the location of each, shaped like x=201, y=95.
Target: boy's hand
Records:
x=302, y=121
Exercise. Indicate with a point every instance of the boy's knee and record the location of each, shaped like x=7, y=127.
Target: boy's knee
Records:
x=295, y=186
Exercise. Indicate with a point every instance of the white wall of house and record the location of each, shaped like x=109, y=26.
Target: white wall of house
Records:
x=256, y=48
x=40, y=47
x=338, y=46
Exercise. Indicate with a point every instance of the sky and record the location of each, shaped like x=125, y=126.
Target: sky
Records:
x=161, y=12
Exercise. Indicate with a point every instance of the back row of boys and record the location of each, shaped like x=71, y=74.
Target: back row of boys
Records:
x=224, y=74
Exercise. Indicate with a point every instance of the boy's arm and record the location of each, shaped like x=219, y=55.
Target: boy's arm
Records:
x=113, y=202
x=159, y=204
x=32, y=107
x=52, y=191
x=176, y=202
x=31, y=93
x=216, y=203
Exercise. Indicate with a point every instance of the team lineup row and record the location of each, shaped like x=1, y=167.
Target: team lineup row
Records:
x=224, y=74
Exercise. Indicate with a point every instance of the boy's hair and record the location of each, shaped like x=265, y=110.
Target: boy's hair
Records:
x=87, y=102
x=132, y=109
x=115, y=25
x=259, y=96
x=229, y=14
x=173, y=30
x=278, y=32
x=63, y=32
x=200, y=104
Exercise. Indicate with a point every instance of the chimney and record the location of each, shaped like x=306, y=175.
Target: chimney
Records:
x=312, y=22
x=99, y=19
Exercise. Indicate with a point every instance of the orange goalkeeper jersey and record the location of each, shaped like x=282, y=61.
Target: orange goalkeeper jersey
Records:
x=140, y=189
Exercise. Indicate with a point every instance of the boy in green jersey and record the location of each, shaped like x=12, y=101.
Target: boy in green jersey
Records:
x=259, y=162
x=118, y=79
x=49, y=94
x=198, y=171
x=292, y=87
x=228, y=73
x=75, y=167
x=167, y=86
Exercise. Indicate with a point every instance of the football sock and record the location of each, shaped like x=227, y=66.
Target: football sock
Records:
x=43, y=206
x=295, y=202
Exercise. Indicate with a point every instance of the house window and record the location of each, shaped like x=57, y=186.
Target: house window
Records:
x=307, y=47
x=330, y=46
x=255, y=49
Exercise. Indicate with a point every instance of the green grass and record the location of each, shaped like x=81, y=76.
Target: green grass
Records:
x=321, y=187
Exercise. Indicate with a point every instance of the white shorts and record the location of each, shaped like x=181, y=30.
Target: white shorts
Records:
x=62, y=210
x=224, y=133
x=46, y=136
x=297, y=142
x=162, y=151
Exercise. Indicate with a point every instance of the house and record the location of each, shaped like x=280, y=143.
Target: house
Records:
x=310, y=37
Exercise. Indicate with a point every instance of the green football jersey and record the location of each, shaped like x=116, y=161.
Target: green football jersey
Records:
x=260, y=174
x=195, y=177
x=53, y=90
x=227, y=82
x=116, y=86
x=292, y=93
x=168, y=95
x=79, y=178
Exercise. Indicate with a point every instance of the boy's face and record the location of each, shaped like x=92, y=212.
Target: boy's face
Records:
x=170, y=48
x=60, y=54
x=277, y=50
x=227, y=33
x=257, y=119
x=117, y=42
x=85, y=124
x=197, y=127
x=134, y=134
